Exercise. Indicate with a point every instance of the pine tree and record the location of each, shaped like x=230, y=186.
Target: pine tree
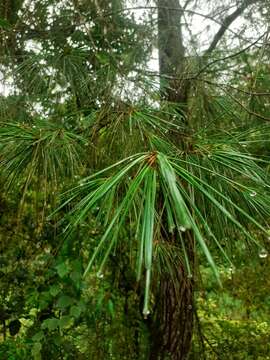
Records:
x=164, y=175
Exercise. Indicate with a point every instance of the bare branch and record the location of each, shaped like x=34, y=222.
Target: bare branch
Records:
x=227, y=22
x=231, y=55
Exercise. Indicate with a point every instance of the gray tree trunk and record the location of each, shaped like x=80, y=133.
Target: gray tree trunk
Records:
x=172, y=326
x=174, y=87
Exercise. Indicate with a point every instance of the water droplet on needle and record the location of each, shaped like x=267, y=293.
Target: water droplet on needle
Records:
x=145, y=314
x=263, y=253
x=182, y=228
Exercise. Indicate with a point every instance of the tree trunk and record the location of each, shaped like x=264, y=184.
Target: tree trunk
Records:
x=172, y=325
x=174, y=87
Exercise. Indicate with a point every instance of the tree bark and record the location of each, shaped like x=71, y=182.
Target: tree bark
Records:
x=172, y=325
x=172, y=328
x=174, y=87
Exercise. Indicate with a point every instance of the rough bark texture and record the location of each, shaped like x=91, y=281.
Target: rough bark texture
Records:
x=172, y=328
x=174, y=87
x=172, y=325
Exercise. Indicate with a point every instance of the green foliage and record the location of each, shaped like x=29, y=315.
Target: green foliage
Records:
x=235, y=323
x=106, y=188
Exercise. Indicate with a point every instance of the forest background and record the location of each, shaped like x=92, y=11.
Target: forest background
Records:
x=134, y=161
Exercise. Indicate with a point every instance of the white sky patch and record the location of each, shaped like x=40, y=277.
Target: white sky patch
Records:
x=32, y=45
x=6, y=86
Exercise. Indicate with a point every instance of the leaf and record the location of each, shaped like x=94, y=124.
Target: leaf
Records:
x=62, y=269
x=55, y=289
x=76, y=278
x=64, y=301
x=50, y=324
x=65, y=322
x=38, y=336
x=75, y=311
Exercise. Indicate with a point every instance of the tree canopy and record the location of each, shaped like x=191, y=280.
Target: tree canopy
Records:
x=134, y=158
